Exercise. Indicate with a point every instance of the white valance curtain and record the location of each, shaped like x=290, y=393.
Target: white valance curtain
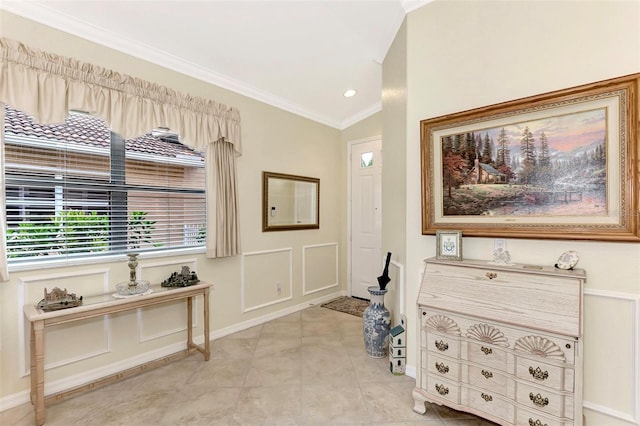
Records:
x=47, y=86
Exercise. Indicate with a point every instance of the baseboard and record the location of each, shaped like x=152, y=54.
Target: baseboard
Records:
x=410, y=370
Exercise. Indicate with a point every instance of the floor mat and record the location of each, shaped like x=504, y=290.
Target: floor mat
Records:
x=348, y=305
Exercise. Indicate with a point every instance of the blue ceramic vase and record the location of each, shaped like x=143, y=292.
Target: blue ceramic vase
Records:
x=377, y=323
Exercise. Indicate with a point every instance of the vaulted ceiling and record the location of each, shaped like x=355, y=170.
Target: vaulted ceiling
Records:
x=297, y=55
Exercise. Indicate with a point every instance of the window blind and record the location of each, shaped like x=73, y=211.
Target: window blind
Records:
x=77, y=189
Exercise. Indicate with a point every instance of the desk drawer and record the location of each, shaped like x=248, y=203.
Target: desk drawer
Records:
x=490, y=356
x=526, y=417
x=443, y=389
x=491, y=403
x=547, y=375
x=443, y=345
x=545, y=401
x=490, y=379
x=443, y=367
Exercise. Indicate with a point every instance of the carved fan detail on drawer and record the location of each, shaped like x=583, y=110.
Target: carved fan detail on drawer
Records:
x=488, y=334
x=539, y=346
x=443, y=324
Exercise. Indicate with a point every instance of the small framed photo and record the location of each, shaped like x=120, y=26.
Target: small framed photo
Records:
x=449, y=245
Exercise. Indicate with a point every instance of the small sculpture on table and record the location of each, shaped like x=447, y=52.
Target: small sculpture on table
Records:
x=184, y=278
x=59, y=299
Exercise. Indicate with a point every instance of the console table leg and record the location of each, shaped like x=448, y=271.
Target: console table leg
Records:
x=32, y=362
x=190, y=322
x=207, y=349
x=37, y=370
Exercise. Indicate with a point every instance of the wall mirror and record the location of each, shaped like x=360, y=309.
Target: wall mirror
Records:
x=290, y=202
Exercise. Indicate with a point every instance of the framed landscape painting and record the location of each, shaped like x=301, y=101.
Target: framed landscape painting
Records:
x=561, y=165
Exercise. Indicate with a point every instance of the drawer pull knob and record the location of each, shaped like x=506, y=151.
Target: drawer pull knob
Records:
x=443, y=369
x=442, y=390
x=539, y=400
x=441, y=346
x=486, y=397
x=491, y=275
x=487, y=374
x=486, y=351
x=536, y=423
x=538, y=374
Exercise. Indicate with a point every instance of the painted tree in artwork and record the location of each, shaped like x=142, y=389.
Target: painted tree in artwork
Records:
x=528, y=154
x=470, y=148
x=544, y=169
x=543, y=158
x=600, y=156
x=503, y=155
x=486, y=150
x=458, y=143
x=447, y=143
x=453, y=166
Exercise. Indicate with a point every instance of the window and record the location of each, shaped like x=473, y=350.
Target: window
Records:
x=77, y=189
x=366, y=159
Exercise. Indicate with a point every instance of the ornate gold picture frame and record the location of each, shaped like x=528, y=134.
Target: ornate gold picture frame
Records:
x=561, y=165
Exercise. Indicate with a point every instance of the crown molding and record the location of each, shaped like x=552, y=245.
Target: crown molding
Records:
x=377, y=107
x=52, y=18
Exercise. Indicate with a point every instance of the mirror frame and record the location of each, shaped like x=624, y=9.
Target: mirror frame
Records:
x=265, y=202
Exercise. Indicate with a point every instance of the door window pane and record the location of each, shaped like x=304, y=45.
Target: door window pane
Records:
x=366, y=159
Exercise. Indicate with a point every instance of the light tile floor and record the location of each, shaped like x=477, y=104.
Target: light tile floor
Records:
x=308, y=368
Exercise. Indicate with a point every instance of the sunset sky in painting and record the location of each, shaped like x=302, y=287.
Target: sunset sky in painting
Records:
x=564, y=132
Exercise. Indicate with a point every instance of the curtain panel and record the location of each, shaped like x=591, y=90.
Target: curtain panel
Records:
x=223, y=230
x=47, y=86
x=4, y=271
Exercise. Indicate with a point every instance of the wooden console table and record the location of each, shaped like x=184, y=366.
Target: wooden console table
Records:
x=99, y=305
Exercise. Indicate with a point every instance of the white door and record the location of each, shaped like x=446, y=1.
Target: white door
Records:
x=366, y=216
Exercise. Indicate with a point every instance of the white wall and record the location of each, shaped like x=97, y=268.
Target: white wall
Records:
x=307, y=263
x=466, y=54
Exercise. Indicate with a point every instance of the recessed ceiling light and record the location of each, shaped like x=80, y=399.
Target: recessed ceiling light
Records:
x=349, y=93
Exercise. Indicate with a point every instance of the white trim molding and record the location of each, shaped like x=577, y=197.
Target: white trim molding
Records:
x=243, y=306
x=142, y=337
x=401, y=286
x=306, y=292
x=634, y=299
x=23, y=326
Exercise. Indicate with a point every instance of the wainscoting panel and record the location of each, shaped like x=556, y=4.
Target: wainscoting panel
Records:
x=166, y=319
x=612, y=354
x=319, y=267
x=65, y=343
x=266, y=278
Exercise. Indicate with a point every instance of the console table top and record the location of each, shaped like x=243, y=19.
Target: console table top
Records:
x=106, y=303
